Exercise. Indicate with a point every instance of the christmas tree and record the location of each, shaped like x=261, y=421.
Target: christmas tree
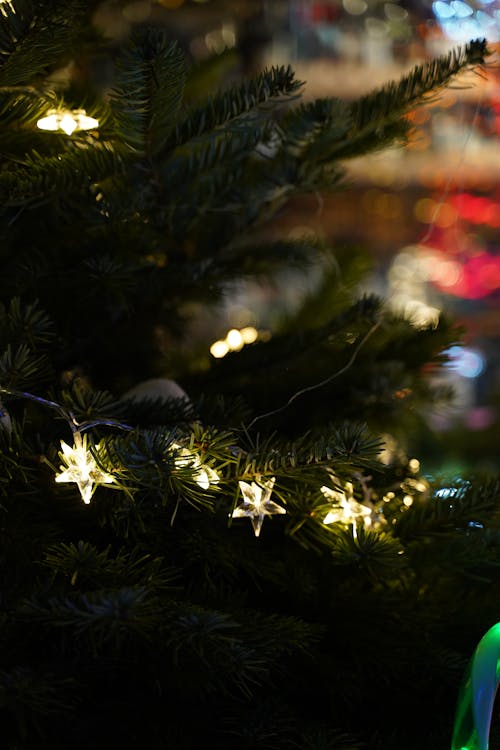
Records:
x=232, y=552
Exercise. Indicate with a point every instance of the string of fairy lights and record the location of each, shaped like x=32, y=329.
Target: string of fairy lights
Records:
x=80, y=462
x=82, y=465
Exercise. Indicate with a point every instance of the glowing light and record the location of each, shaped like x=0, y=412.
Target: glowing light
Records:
x=249, y=334
x=420, y=314
x=219, y=349
x=220, y=39
x=5, y=6
x=408, y=501
x=447, y=272
x=414, y=465
x=234, y=339
x=461, y=9
x=477, y=695
x=257, y=503
x=461, y=21
x=442, y=9
x=204, y=475
x=67, y=121
x=79, y=466
x=444, y=493
x=467, y=362
x=345, y=509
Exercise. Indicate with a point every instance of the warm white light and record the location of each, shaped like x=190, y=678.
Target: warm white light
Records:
x=249, y=334
x=79, y=466
x=68, y=124
x=418, y=313
x=50, y=122
x=219, y=349
x=204, y=475
x=6, y=5
x=414, y=465
x=67, y=121
x=234, y=339
x=257, y=503
x=348, y=512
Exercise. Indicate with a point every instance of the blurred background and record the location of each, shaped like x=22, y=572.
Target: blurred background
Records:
x=424, y=220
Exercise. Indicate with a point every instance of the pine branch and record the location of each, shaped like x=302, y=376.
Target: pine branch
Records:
x=83, y=566
x=35, y=39
x=377, y=553
x=379, y=110
x=21, y=368
x=325, y=738
x=147, y=92
x=452, y=506
x=153, y=463
x=204, y=168
x=238, y=104
x=341, y=448
x=22, y=106
x=33, y=695
x=391, y=101
x=87, y=404
x=104, y=618
x=25, y=324
x=240, y=259
x=18, y=474
x=40, y=179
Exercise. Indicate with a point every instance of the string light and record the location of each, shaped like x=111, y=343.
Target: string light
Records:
x=345, y=509
x=79, y=466
x=234, y=341
x=256, y=503
x=67, y=121
x=204, y=475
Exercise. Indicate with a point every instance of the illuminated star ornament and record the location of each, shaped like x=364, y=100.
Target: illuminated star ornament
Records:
x=204, y=475
x=346, y=510
x=79, y=466
x=257, y=503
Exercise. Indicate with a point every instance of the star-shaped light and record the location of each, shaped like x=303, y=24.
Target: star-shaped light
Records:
x=257, y=503
x=79, y=466
x=204, y=475
x=345, y=509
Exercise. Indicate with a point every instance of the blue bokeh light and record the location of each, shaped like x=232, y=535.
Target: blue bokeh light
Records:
x=465, y=361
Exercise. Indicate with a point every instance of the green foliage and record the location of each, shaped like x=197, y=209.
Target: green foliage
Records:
x=147, y=92
x=36, y=36
x=148, y=617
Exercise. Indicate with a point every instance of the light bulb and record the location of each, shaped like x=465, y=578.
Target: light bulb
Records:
x=67, y=121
